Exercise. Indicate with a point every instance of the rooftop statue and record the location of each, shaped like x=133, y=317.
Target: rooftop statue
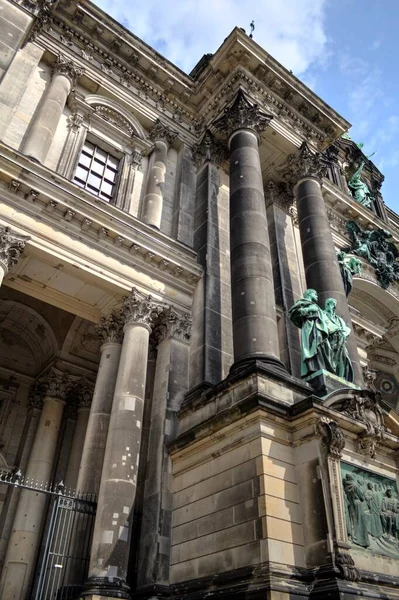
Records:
x=376, y=247
x=359, y=189
x=338, y=332
x=349, y=266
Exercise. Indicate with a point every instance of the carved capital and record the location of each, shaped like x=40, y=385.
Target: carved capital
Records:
x=140, y=309
x=55, y=384
x=36, y=395
x=11, y=246
x=67, y=67
x=280, y=194
x=242, y=114
x=74, y=121
x=110, y=329
x=303, y=163
x=81, y=393
x=44, y=19
x=209, y=149
x=162, y=133
x=135, y=158
x=332, y=436
x=173, y=323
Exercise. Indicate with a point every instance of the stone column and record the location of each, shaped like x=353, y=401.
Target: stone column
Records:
x=83, y=393
x=253, y=305
x=46, y=119
x=153, y=198
x=305, y=170
x=110, y=330
x=111, y=539
x=170, y=385
x=25, y=537
x=11, y=246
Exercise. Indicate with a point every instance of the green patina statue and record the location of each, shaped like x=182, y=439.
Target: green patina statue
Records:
x=360, y=190
x=349, y=267
x=323, y=337
x=376, y=247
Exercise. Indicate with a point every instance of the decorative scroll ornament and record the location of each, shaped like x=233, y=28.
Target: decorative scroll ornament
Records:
x=138, y=308
x=332, y=436
x=112, y=116
x=56, y=384
x=242, y=114
x=172, y=323
x=303, y=163
x=366, y=409
x=209, y=149
x=11, y=246
x=67, y=67
x=110, y=329
x=162, y=133
x=346, y=566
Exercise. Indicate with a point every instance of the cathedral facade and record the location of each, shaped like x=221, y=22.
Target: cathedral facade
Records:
x=199, y=325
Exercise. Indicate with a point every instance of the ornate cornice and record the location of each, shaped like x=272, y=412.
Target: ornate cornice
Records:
x=303, y=163
x=162, y=133
x=332, y=436
x=55, y=384
x=11, y=246
x=242, y=114
x=110, y=329
x=140, y=309
x=67, y=67
x=172, y=323
x=209, y=149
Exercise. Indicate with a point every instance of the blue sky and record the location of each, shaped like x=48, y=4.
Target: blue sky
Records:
x=346, y=50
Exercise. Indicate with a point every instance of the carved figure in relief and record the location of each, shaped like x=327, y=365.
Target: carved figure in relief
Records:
x=349, y=267
x=338, y=332
x=374, y=504
x=358, y=525
x=389, y=510
x=359, y=189
x=311, y=320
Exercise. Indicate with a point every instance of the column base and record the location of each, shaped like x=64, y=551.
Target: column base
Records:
x=97, y=588
x=323, y=382
x=272, y=362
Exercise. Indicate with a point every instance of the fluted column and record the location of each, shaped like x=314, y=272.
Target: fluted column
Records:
x=83, y=393
x=11, y=246
x=47, y=117
x=153, y=198
x=25, y=537
x=110, y=331
x=111, y=539
x=304, y=170
x=253, y=304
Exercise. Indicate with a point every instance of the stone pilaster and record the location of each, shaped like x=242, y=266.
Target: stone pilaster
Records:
x=255, y=334
x=162, y=136
x=46, y=119
x=83, y=393
x=111, y=539
x=11, y=246
x=170, y=384
x=304, y=170
x=25, y=537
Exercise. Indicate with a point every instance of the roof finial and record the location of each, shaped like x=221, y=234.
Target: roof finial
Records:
x=252, y=26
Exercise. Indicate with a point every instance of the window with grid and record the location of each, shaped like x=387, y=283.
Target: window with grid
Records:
x=97, y=171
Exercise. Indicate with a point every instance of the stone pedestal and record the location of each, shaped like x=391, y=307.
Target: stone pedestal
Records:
x=44, y=125
x=323, y=382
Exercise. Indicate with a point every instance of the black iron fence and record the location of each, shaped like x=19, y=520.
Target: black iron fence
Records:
x=63, y=563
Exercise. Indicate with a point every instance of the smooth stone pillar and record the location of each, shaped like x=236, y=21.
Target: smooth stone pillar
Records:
x=253, y=304
x=25, y=537
x=319, y=257
x=153, y=199
x=111, y=538
x=92, y=456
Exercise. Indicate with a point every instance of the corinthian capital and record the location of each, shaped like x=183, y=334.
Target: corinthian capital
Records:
x=36, y=394
x=242, y=114
x=110, y=329
x=67, y=67
x=209, y=149
x=11, y=246
x=163, y=133
x=173, y=324
x=141, y=309
x=55, y=384
x=303, y=163
x=81, y=393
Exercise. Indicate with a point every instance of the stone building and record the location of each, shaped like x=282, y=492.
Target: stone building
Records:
x=157, y=439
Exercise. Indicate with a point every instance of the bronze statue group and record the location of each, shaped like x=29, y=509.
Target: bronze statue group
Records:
x=371, y=511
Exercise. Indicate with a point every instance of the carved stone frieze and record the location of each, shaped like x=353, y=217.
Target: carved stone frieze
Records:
x=242, y=114
x=110, y=329
x=280, y=194
x=56, y=384
x=138, y=308
x=11, y=246
x=209, y=149
x=332, y=436
x=163, y=133
x=304, y=163
x=67, y=67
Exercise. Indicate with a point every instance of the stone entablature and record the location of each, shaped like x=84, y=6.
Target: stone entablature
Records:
x=103, y=226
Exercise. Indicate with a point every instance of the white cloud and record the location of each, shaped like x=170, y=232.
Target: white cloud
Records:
x=291, y=31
